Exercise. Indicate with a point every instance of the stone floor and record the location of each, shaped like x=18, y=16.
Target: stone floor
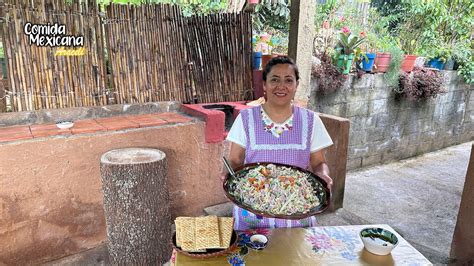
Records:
x=418, y=197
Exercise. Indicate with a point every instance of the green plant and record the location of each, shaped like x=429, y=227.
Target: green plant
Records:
x=440, y=52
x=348, y=43
x=325, y=12
x=328, y=77
x=467, y=72
x=188, y=8
x=462, y=52
x=387, y=8
x=427, y=24
x=378, y=33
x=391, y=77
x=421, y=83
x=273, y=14
x=384, y=43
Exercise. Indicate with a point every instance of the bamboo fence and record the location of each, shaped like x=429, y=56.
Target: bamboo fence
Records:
x=146, y=54
x=219, y=50
x=154, y=53
x=37, y=78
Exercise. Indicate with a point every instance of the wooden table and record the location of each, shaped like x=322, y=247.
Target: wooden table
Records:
x=325, y=245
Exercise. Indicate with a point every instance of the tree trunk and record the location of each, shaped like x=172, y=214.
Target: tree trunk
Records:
x=136, y=204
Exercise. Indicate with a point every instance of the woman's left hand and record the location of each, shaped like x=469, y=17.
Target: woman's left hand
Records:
x=328, y=180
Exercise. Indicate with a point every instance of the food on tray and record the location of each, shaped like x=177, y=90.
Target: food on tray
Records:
x=277, y=190
x=185, y=232
x=196, y=234
x=207, y=232
x=226, y=226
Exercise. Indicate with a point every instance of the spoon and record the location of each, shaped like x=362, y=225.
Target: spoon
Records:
x=229, y=168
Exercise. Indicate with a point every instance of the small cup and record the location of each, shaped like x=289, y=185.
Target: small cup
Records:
x=258, y=241
x=65, y=124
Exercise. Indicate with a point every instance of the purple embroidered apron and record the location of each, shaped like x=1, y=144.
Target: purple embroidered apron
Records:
x=292, y=147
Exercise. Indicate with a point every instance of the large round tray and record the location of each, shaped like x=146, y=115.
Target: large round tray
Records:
x=210, y=253
x=313, y=179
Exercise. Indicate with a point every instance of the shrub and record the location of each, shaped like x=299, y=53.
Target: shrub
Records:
x=421, y=83
x=329, y=77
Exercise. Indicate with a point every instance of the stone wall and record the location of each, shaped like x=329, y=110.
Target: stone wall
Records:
x=386, y=128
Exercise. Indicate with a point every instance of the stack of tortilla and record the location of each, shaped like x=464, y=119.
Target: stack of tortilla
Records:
x=197, y=234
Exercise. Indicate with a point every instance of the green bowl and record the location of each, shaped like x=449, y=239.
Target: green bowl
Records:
x=378, y=241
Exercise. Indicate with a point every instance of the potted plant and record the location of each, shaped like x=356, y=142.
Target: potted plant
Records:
x=408, y=62
x=379, y=39
x=370, y=55
x=391, y=77
x=264, y=46
x=347, y=48
x=409, y=46
x=409, y=58
x=271, y=45
x=439, y=57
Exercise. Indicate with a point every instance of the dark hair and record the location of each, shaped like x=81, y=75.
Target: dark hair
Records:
x=280, y=60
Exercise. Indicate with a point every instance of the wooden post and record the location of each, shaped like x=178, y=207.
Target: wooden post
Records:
x=462, y=246
x=3, y=101
x=136, y=204
x=338, y=129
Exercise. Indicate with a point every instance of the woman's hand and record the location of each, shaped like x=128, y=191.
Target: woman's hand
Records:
x=222, y=177
x=236, y=159
x=328, y=180
x=319, y=167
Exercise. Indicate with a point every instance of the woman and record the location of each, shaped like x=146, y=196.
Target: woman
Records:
x=278, y=132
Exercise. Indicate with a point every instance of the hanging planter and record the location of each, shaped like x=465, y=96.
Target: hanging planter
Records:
x=368, y=65
x=344, y=63
x=408, y=63
x=382, y=62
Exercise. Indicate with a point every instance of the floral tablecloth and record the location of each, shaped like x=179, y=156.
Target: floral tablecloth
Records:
x=336, y=245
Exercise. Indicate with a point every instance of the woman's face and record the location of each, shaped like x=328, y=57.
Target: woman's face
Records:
x=280, y=86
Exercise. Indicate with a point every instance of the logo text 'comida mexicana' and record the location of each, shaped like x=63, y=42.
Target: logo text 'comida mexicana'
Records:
x=51, y=35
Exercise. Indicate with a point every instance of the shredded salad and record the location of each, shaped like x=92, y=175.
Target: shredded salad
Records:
x=276, y=190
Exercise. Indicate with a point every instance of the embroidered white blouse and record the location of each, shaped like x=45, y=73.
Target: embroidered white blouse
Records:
x=320, y=138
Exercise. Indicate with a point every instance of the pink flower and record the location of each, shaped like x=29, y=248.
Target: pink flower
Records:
x=326, y=24
x=363, y=34
x=346, y=30
x=342, y=19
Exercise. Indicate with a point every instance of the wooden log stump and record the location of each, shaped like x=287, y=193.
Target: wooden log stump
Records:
x=136, y=204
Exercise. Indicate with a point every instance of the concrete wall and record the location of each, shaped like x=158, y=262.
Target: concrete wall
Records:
x=45, y=116
x=384, y=128
x=51, y=198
